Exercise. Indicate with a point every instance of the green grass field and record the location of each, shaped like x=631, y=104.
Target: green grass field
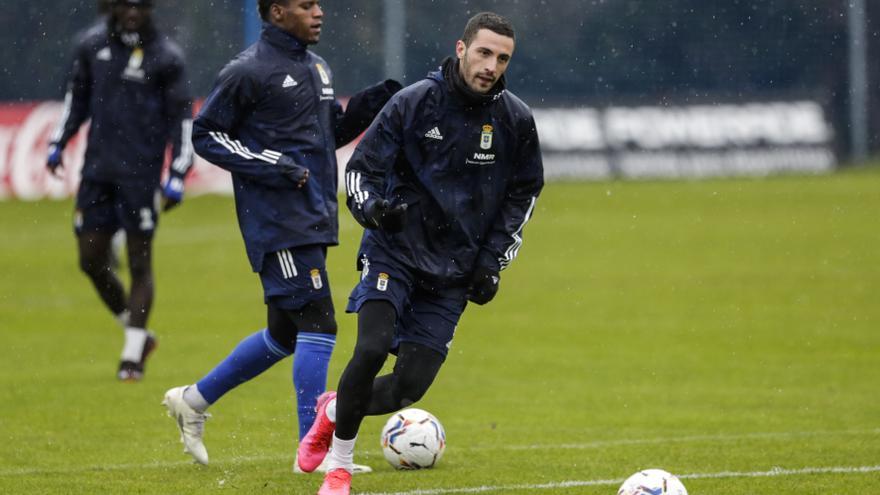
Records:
x=727, y=331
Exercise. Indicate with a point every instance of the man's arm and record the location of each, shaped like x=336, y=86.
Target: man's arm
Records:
x=365, y=173
x=213, y=135
x=76, y=108
x=505, y=236
x=362, y=109
x=178, y=111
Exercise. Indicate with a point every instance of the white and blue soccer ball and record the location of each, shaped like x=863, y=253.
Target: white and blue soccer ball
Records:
x=413, y=439
x=652, y=482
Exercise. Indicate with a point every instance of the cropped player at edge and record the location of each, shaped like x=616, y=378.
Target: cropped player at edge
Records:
x=273, y=121
x=443, y=181
x=130, y=80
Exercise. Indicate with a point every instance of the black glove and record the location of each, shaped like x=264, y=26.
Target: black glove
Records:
x=379, y=214
x=484, y=285
x=391, y=86
x=291, y=171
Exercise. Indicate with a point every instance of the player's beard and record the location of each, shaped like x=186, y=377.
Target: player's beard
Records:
x=452, y=72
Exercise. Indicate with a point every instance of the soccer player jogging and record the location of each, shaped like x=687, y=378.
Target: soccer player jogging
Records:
x=130, y=80
x=273, y=121
x=443, y=181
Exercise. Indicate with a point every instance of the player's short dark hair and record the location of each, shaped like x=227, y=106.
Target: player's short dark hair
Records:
x=487, y=20
x=142, y=3
x=263, y=7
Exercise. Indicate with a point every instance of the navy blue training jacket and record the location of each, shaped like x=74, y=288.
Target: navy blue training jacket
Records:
x=470, y=173
x=274, y=100
x=138, y=101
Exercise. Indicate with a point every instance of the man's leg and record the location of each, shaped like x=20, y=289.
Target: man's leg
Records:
x=376, y=321
x=95, y=221
x=139, y=342
x=94, y=261
x=414, y=372
x=140, y=266
x=251, y=357
x=314, y=346
x=315, y=341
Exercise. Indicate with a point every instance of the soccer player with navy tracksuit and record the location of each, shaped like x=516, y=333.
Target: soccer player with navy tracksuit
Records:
x=443, y=181
x=273, y=121
x=131, y=82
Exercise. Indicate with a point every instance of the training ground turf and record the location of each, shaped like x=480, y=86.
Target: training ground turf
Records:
x=727, y=331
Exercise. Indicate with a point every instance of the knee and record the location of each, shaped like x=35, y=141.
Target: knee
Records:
x=284, y=334
x=370, y=355
x=140, y=269
x=410, y=390
x=325, y=322
x=92, y=265
x=316, y=319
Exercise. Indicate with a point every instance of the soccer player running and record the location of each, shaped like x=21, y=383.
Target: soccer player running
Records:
x=130, y=80
x=273, y=121
x=443, y=181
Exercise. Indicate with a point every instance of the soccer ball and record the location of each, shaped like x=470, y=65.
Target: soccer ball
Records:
x=413, y=439
x=652, y=482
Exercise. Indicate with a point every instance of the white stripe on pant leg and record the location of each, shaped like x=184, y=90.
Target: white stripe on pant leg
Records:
x=356, y=188
x=185, y=157
x=292, y=264
x=281, y=262
x=59, y=130
x=288, y=262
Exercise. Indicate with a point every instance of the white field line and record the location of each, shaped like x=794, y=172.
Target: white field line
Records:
x=614, y=482
x=232, y=461
x=682, y=439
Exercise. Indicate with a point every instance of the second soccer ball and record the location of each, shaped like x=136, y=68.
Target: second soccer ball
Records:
x=652, y=482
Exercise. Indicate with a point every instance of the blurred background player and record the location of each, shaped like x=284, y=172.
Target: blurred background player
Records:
x=444, y=182
x=273, y=121
x=130, y=81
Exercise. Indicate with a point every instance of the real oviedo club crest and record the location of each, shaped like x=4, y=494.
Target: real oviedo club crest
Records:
x=486, y=137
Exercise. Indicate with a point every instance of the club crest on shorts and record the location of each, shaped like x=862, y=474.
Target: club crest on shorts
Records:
x=382, y=283
x=486, y=137
x=317, y=283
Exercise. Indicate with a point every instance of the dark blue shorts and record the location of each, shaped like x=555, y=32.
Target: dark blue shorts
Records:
x=107, y=207
x=295, y=277
x=426, y=317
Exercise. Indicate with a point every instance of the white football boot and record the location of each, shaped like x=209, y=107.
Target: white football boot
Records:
x=190, y=422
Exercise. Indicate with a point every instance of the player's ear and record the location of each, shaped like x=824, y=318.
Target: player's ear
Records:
x=460, y=48
x=276, y=12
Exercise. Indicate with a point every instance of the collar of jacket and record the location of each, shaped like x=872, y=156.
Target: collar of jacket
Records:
x=456, y=85
x=144, y=37
x=282, y=40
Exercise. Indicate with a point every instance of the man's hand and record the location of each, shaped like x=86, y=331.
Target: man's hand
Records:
x=54, y=161
x=484, y=285
x=172, y=192
x=381, y=215
x=294, y=173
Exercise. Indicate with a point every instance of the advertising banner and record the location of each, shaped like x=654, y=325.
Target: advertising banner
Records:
x=25, y=130
x=685, y=141
x=577, y=143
